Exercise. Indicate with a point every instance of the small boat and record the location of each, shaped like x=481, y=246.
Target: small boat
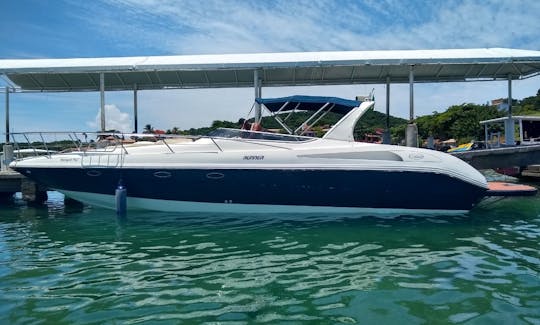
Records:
x=247, y=171
x=473, y=145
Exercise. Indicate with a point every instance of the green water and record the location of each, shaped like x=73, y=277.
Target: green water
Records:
x=61, y=265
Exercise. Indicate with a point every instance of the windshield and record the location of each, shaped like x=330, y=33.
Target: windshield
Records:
x=246, y=134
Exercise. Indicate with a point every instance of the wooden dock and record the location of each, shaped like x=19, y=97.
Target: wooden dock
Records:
x=12, y=182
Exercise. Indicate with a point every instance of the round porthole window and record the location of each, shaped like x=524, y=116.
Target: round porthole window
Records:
x=162, y=174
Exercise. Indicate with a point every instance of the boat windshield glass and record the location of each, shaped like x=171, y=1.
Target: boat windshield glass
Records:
x=247, y=134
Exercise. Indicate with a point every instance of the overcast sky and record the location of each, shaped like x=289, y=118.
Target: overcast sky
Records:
x=102, y=28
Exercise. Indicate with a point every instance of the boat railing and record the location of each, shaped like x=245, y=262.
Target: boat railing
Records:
x=47, y=143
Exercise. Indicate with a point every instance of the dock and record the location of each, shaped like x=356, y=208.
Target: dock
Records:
x=532, y=171
x=12, y=182
x=520, y=156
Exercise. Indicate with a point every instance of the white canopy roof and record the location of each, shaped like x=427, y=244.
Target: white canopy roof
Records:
x=276, y=69
x=515, y=118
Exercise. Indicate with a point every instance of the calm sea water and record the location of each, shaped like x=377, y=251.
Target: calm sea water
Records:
x=67, y=265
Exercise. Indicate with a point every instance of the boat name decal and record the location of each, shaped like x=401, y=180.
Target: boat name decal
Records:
x=416, y=156
x=253, y=157
x=69, y=159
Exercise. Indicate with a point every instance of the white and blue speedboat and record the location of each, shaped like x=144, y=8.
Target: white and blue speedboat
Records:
x=248, y=171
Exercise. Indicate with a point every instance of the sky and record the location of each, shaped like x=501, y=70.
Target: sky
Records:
x=105, y=28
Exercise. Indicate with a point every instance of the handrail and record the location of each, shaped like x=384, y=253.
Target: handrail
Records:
x=43, y=143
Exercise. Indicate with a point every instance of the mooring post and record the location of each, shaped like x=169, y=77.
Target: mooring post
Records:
x=7, y=156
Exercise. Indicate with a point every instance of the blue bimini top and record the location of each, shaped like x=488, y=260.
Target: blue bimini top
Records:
x=308, y=103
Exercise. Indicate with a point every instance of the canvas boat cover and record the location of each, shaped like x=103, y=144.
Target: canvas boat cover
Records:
x=308, y=103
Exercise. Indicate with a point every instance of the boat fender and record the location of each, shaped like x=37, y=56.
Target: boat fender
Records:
x=121, y=200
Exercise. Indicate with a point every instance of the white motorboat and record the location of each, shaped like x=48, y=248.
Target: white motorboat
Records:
x=248, y=171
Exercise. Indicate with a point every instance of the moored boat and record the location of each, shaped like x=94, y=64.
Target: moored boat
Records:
x=252, y=171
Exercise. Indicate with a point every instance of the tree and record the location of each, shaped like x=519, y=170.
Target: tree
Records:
x=148, y=129
x=224, y=124
x=458, y=121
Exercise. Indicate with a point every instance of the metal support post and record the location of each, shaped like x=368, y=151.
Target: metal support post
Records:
x=257, y=85
x=521, y=131
x=102, y=95
x=411, y=94
x=135, y=118
x=7, y=157
x=7, y=115
x=411, y=134
x=509, y=95
x=509, y=124
x=386, y=135
x=486, y=138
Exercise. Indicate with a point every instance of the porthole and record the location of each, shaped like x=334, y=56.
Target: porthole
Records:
x=93, y=173
x=162, y=174
x=214, y=175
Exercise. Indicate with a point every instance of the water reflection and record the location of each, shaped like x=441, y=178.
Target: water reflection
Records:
x=87, y=265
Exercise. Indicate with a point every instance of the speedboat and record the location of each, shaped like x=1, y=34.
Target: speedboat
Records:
x=234, y=170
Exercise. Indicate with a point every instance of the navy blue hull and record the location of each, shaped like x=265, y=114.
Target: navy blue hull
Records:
x=335, y=188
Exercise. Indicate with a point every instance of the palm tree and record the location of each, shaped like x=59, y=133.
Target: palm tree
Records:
x=148, y=129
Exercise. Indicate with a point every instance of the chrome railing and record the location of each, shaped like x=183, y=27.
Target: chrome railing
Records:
x=47, y=143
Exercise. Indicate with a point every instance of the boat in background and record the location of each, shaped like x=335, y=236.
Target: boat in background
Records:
x=258, y=172
x=473, y=145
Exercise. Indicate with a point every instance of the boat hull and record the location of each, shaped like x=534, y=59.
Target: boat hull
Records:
x=264, y=190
